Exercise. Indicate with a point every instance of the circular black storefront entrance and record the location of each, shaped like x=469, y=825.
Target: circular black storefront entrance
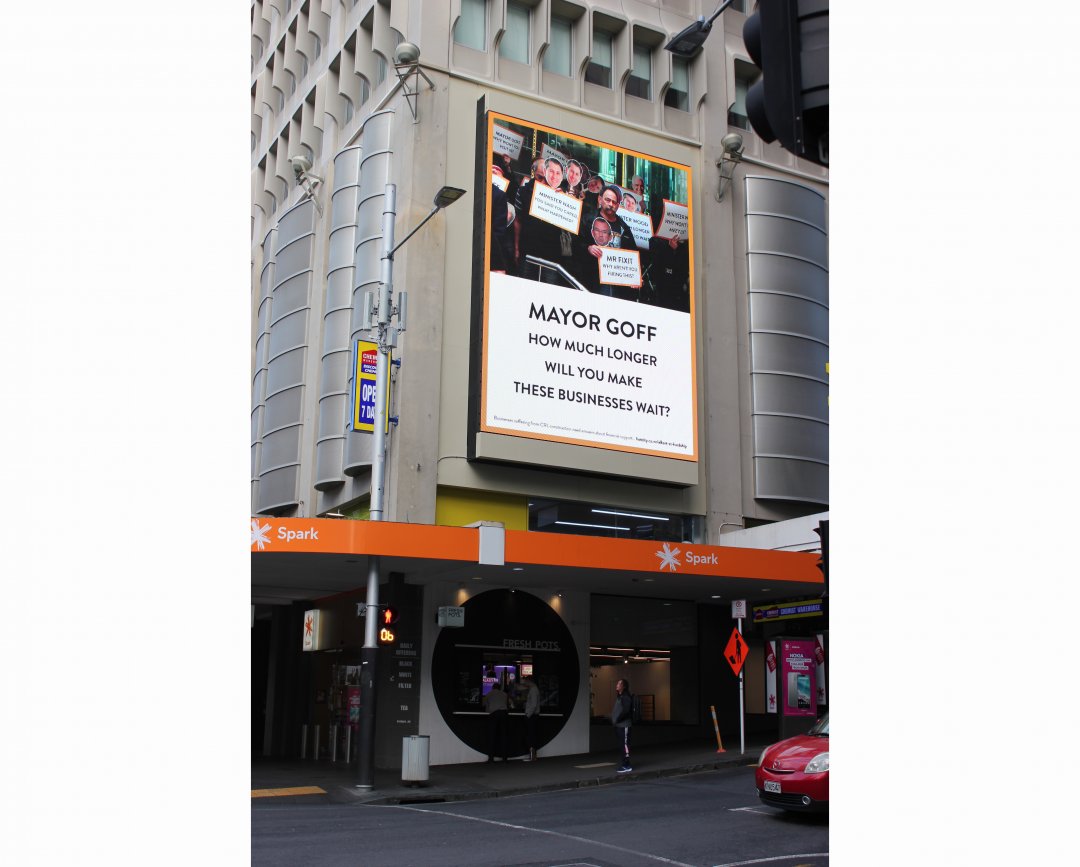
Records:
x=507, y=635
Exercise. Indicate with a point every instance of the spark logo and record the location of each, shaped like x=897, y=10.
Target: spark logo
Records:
x=669, y=558
x=259, y=535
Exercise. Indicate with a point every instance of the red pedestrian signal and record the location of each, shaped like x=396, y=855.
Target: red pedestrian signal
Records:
x=388, y=616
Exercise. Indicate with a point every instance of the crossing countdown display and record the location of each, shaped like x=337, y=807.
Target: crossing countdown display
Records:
x=388, y=616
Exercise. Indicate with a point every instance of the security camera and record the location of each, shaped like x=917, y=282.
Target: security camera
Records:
x=406, y=53
x=732, y=143
x=300, y=164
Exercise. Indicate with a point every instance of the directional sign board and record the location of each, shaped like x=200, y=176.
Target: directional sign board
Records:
x=736, y=651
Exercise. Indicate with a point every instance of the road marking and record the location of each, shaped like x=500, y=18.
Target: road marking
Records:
x=597, y=765
x=542, y=831
x=761, y=811
x=775, y=858
x=295, y=790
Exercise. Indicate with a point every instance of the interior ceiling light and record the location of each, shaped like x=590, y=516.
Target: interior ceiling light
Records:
x=595, y=526
x=629, y=514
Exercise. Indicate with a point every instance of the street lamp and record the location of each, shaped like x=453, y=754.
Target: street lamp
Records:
x=387, y=338
x=687, y=41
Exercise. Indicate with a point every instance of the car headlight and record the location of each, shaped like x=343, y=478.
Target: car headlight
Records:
x=818, y=764
x=761, y=758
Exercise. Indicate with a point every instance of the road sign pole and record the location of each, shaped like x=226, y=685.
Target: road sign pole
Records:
x=742, y=716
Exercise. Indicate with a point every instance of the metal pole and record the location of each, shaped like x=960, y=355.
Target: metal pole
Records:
x=368, y=654
x=742, y=716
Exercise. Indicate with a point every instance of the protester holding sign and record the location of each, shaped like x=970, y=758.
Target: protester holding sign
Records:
x=609, y=202
x=586, y=266
x=537, y=236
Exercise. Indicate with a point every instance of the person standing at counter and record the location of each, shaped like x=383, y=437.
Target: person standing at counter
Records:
x=532, y=717
x=496, y=705
x=622, y=716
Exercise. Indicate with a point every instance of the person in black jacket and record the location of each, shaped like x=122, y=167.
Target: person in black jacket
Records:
x=622, y=716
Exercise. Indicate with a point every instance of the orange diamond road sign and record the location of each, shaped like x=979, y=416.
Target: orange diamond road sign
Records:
x=736, y=651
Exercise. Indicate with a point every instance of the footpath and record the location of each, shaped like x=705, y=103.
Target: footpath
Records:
x=276, y=781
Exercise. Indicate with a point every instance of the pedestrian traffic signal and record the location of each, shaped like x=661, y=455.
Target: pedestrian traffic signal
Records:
x=788, y=40
x=823, y=562
x=388, y=616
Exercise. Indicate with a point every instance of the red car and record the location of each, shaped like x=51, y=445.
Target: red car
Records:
x=794, y=773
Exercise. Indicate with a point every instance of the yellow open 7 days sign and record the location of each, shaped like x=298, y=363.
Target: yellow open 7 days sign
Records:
x=367, y=357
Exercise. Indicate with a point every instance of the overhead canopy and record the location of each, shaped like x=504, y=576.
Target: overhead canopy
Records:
x=298, y=558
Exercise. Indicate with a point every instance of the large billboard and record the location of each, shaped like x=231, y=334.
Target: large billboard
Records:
x=588, y=293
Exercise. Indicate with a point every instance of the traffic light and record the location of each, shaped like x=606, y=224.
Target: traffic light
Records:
x=788, y=40
x=388, y=616
x=823, y=562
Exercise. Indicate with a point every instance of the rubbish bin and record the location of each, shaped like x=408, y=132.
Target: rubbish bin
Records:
x=414, y=758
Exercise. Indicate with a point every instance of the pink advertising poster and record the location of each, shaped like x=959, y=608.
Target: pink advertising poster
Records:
x=770, y=676
x=819, y=655
x=798, y=669
x=354, y=706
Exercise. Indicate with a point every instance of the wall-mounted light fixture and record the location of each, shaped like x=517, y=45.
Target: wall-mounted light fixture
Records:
x=406, y=66
x=729, y=159
x=301, y=166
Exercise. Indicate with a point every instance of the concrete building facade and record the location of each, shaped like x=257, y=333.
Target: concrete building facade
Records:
x=570, y=519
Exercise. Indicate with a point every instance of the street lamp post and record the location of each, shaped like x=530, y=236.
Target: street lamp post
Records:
x=386, y=339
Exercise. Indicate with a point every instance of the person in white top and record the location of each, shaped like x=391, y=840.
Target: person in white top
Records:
x=532, y=718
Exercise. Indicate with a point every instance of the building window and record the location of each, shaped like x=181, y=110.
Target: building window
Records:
x=599, y=69
x=678, y=95
x=514, y=44
x=640, y=81
x=471, y=28
x=737, y=111
x=557, y=56
x=588, y=519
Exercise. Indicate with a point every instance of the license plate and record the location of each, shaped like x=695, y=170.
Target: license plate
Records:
x=771, y=786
